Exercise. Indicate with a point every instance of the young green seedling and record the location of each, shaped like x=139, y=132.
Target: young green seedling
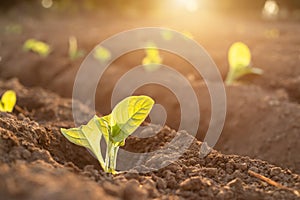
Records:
x=74, y=53
x=152, y=59
x=8, y=101
x=125, y=118
x=36, y=46
x=102, y=54
x=239, y=58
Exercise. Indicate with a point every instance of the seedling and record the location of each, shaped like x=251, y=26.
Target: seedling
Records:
x=239, y=58
x=74, y=53
x=102, y=54
x=152, y=59
x=8, y=101
x=13, y=29
x=36, y=46
x=125, y=118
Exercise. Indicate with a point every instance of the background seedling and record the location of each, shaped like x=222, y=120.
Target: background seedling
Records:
x=74, y=53
x=102, y=54
x=239, y=58
x=125, y=118
x=152, y=60
x=36, y=46
x=8, y=101
x=13, y=29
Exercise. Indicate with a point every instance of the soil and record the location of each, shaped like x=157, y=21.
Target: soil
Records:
x=37, y=162
x=261, y=131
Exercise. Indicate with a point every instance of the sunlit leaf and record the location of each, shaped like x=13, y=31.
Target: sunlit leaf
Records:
x=36, y=46
x=239, y=58
x=239, y=55
x=103, y=124
x=128, y=115
x=88, y=136
x=152, y=60
x=74, y=53
x=102, y=54
x=8, y=101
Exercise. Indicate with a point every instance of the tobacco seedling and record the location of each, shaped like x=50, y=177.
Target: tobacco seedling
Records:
x=36, y=46
x=152, y=60
x=8, y=101
x=74, y=53
x=102, y=54
x=239, y=58
x=125, y=118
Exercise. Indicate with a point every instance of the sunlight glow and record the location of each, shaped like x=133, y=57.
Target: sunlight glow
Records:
x=47, y=3
x=271, y=9
x=189, y=5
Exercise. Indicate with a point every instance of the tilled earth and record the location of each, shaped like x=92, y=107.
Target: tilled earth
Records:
x=37, y=162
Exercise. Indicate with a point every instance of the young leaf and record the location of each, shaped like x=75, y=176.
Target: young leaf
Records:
x=87, y=136
x=128, y=115
x=152, y=59
x=74, y=53
x=36, y=46
x=8, y=101
x=239, y=55
x=102, y=54
x=239, y=58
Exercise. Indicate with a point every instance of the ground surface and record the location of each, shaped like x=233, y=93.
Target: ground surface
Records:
x=37, y=162
x=262, y=122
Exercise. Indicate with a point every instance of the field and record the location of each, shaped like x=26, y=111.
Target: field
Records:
x=261, y=134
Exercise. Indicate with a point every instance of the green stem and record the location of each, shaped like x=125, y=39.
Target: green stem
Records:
x=107, y=156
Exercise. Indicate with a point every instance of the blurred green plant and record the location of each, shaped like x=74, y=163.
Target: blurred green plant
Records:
x=102, y=54
x=13, y=29
x=8, y=101
x=152, y=60
x=125, y=118
x=239, y=58
x=37, y=46
x=74, y=53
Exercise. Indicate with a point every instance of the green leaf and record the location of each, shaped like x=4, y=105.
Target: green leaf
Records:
x=102, y=54
x=74, y=53
x=87, y=136
x=8, y=101
x=128, y=115
x=36, y=46
x=152, y=59
x=239, y=58
x=103, y=123
x=239, y=55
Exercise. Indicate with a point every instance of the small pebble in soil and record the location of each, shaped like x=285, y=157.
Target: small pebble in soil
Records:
x=236, y=185
x=195, y=183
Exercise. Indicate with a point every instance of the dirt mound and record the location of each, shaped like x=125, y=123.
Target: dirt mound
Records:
x=38, y=162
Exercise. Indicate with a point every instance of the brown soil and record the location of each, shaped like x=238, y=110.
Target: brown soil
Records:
x=37, y=162
x=262, y=121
